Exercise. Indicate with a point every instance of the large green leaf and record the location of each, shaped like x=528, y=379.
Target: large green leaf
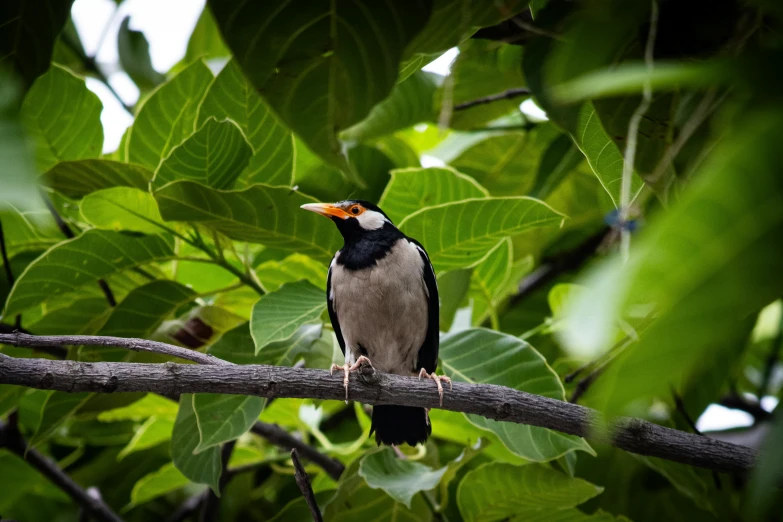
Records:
x=122, y=208
x=259, y=214
x=205, y=42
x=20, y=482
x=221, y=418
x=415, y=188
x=214, y=155
x=81, y=261
x=148, y=406
x=705, y=264
x=168, y=116
x=63, y=117
x=328, y=77
x=237, y=346
x=154, y=431
x=401, y=479
x=602, y=154
x=295, y=267
x=58, y=408
x=204, y=467
x=30, y=28
x=231, y=96
x=356, y=501
x=486, y=356
x=488, y=281
x=277, y=315
x=25, y=233
x=78, y=178
x=505, y=164
x=460, y=234
x=410, y=102
x=536, y=490
x=166, y=479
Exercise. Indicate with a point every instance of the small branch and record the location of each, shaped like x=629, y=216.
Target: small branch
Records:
x=303, y=481
x=277, y=435
x=11, y=439
x=209, y=509
x=371, y=387
x=505, y=95
x=137, y=345
x=58, y=352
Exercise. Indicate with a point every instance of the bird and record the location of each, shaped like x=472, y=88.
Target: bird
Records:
x=382, y=299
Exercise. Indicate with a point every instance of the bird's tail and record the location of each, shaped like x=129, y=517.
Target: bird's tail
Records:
x=399, y=424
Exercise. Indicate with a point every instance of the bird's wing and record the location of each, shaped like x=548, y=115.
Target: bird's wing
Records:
x=330, y=307
x=428, y=353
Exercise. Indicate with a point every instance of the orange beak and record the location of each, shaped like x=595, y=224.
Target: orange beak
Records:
x=326, y=209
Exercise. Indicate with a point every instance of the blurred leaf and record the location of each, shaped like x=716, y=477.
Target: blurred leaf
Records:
x=9, y=395
x=274, y=274
x=536, y=490
x=56, y=410
x=76, y=179
x=202, y=468
x=460, y=234
x=24, y=232
x=764, y=479
x=317, y=86
x=413, y=189
x=687, y=480
x=154, y=431
x=354, y=497
x=122, y=208
x=63, y=117
x=277, y=315
x=231, y=96
x=221, y=418
x=399, y=152
x=486, y=356
x=488, y=280
x=30, y=28
x=167, y=116
x=205, y=41
x=455, y=466
x=602, y=154
x=151, y=405
x=452, y=289
x=298, y=509
x=20, y=481
x=259, y=214
x=237, y=346
x=482, y=68
x=73, y=264
x=401, y=479
x=214, y=155
x=410, y=102
x=134, y=52
x=558, y=159
x=166, y=479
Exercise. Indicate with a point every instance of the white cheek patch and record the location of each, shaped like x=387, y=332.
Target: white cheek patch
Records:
x=371, y=220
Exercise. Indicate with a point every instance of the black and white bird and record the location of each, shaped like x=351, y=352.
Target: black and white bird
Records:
x=383, y=303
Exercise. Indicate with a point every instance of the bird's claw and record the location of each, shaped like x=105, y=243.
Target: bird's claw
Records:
x=347, y=369
x=438, y=379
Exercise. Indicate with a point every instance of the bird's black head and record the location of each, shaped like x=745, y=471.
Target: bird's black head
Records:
x=356, y=219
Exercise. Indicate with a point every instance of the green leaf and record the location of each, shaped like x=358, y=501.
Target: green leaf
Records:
x=24, y=232
x=9, y=395
x=413, y=189
x=167, y=116
x=401, y=479
x=410, y=102
x=18, y=173
x=134, y=52
x=690, y=481
x=202, y=468
x=154, y=431
x=56, y=410
x=460, y=234
x=151, y=405
x=602, y=154
x=205, y=42
x=214, y=155
x=486, y=356
x=158, y=483
x=232, y=96
x=76, y=179
x=298, y=509
x=277, y=315
x=20, y=482
x=455, y=466
x=536, y=490
x=327, y=78
x=259, y=214
x=30, y=28
x=71, y=265
x=488, y=281
x=356, y=501
x=63, y=117
x=273, y=274
x=122, y=208
x=237, y=346
x=558, y=159
x=221, y=418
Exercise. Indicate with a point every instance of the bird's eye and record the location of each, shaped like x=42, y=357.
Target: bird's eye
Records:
x=355, y=210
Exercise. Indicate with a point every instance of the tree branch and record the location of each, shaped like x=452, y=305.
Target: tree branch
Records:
x=505, y=95
x=368, y=386
x=303, y=481
x=277, y=435
x=11, y=439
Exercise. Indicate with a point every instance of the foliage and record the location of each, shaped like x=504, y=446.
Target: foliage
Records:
x=191, y=233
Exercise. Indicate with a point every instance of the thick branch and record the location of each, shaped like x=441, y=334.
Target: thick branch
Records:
x=368, y=386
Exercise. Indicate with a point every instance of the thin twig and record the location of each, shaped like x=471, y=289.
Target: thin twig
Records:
x=303, y=481
x=11, y=439
x=505, y=95
x=277, y=435
x=372, y=387
x=735, y=401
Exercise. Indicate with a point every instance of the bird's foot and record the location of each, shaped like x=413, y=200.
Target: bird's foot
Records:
x=347, y=369
x=438, y=379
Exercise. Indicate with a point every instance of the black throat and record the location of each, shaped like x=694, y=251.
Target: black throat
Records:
x=363, y=248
